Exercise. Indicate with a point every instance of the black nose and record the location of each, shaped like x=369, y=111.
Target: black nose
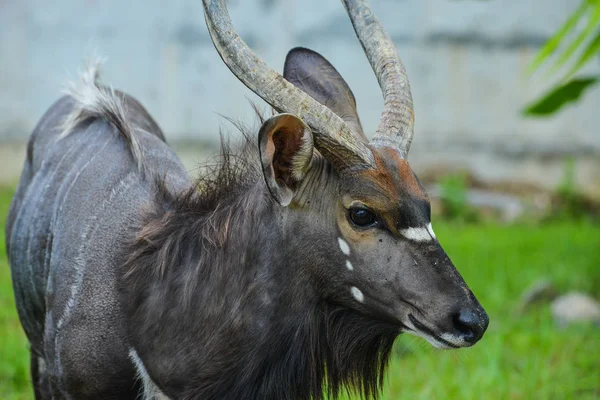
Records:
x=471, y=325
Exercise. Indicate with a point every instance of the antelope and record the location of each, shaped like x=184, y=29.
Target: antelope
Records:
x=286, y=272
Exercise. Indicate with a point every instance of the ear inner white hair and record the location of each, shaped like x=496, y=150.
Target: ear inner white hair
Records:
x=301, y=160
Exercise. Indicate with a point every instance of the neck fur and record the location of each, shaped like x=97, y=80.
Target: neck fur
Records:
x=213, y=316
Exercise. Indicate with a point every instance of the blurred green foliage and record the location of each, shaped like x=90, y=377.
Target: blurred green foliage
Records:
x=14, y=354
x=567, y=200
x=454, y=201
x=568, y=47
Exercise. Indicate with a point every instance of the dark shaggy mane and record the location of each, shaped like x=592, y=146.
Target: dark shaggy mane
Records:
x=224, y=177
x=222, y=186
x=187, y=239
x=334, y=350
x=330, y=351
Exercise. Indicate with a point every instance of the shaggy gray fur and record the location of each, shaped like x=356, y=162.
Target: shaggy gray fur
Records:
x=87, y=149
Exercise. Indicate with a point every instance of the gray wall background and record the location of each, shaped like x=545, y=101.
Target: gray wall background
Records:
x=466, y=61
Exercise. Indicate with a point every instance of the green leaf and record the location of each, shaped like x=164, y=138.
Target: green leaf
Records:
x=592, y=49
x=593, y=23
x=559, y=96
x=552, y=44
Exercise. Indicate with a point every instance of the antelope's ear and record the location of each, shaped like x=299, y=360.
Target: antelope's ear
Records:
x=286, y=148
x=311, y=72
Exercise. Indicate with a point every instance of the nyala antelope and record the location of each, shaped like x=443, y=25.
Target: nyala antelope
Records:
x=286, y=272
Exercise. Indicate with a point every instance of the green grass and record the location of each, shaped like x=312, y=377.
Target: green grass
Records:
x=14, y=354
x=520, y=357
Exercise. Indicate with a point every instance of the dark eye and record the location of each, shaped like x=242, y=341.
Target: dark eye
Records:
x=362, y=217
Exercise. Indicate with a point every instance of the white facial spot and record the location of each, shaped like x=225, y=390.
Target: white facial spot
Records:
x=349, y=265
x=344, y=246
x=421, y=234
x=430, y=230
x=358, y=295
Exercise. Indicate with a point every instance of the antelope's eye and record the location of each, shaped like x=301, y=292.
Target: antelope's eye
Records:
x=362, y=217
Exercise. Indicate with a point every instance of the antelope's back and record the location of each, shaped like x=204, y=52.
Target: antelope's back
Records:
x=77, y=199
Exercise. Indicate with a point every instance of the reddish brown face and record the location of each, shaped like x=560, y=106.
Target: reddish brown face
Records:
x=394, y=193
x=396, y=268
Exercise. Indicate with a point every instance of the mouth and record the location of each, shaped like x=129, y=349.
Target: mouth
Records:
x=444, y=341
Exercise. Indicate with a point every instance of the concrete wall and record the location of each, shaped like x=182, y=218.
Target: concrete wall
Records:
x=466, y=61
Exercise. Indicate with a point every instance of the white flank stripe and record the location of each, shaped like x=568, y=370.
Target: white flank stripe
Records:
x=349, y=265
x=151, y=391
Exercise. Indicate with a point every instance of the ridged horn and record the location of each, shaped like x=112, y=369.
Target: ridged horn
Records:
x=397, y=119
x=333, y=138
